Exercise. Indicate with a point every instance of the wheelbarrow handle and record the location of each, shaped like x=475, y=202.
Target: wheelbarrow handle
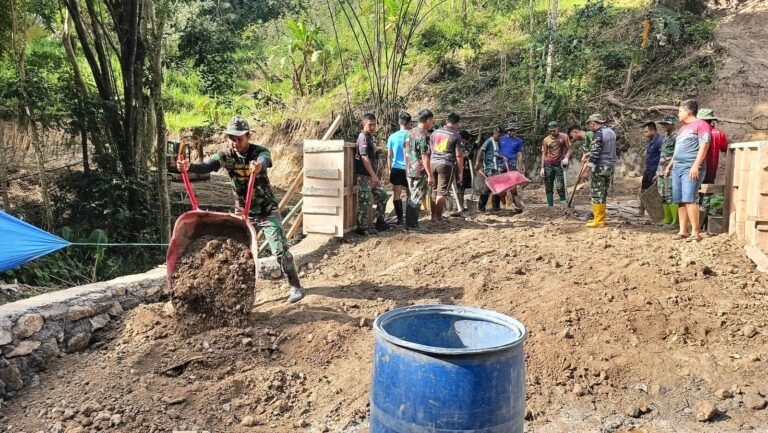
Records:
x=249, y=195
x=185, y=178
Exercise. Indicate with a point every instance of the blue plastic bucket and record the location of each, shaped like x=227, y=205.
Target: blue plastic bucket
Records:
x=444, y=368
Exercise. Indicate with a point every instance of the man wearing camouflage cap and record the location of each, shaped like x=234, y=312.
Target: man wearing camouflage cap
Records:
x=600, y=162
x=240, y=160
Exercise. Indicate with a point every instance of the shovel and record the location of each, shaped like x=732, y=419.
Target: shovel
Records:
x=195, y=223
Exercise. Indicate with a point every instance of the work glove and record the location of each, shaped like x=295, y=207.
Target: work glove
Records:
x=564, y=163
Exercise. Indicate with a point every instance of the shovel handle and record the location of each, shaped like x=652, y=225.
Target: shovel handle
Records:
x=249, y=195
x=185, y=178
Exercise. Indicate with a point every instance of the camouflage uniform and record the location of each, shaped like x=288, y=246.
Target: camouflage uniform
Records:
x=263, y=212
x=664, y=183
x=365, y=196
x=602, y=158
x=367, y=193
x=599, y=182
x=417, y=177
x=554, y=179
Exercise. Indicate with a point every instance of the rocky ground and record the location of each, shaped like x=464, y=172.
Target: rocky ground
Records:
x=629, y=331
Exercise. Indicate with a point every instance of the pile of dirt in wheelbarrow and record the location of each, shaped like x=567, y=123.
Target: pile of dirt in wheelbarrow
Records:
x=214, y=284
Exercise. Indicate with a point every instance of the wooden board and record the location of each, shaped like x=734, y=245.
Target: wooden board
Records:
x=319, y=146
x=321, y=229
x=323, y=173
x=710, y=188
x=323, y=192
x=745, y=212
x=321, y=210
x=758, y=257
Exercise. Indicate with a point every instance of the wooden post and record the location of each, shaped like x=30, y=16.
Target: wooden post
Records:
x=295, y=185
x=295, y=227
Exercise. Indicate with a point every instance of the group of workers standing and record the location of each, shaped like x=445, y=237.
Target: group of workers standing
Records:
x=680, y=162
x=422, y=158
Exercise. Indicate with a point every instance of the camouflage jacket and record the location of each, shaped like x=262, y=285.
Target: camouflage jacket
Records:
x=263, y=200
x=413, y=150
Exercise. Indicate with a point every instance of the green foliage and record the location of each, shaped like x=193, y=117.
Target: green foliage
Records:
x=47, y=82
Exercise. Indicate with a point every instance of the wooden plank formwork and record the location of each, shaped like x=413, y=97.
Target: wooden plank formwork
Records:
x=330, y=196
x=745, y=212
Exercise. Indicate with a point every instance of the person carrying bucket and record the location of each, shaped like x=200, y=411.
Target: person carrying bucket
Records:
x=240, y=160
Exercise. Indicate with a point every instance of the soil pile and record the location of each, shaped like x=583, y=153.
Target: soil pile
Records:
x=629, y=331
x=214, y=284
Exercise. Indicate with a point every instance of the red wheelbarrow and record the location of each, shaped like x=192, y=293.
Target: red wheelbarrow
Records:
x=501, y=183
x=195, y=223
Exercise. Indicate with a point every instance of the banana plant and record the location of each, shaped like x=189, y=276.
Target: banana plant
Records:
x=305, y=42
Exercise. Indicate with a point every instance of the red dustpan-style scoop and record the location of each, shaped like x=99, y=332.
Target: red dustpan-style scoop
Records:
x=195, y=223
x=501, y=183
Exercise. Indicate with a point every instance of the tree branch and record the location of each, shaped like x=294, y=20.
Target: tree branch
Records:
x=661, y=108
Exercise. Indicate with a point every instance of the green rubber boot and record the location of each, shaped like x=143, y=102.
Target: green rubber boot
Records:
x=667, y=215
x=550, y=199
x=673, y=208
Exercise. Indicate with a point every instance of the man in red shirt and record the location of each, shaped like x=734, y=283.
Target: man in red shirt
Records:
x=719, y=144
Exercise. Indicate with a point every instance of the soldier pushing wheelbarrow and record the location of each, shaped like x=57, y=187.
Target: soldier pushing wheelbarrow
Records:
x=247, y=165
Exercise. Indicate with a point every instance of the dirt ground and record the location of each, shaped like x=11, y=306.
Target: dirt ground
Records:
x=740, y=87
x=629, y=330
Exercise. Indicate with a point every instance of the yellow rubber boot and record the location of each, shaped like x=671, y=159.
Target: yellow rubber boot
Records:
x=599, y=221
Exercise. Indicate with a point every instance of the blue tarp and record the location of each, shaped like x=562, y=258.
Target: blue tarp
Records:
x=21, y=242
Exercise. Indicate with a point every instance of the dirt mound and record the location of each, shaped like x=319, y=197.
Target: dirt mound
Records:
x=628, y=331
x=214, y=283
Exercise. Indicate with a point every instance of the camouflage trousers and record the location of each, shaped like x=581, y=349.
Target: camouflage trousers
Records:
x=554, y=179
x=366, y=197
x=599, y=182
x=418, y=188
x=664, y=184
x=272, y=228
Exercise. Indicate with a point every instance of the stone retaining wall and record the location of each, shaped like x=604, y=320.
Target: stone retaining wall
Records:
x=34, y=331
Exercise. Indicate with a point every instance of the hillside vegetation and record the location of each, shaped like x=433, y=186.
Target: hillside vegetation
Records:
x=66, y=67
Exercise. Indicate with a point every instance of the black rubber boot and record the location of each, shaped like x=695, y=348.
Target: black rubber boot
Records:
x=483, y=202
x=398, y=210
x=411, y=218
x=381, y=225
x=496, y=202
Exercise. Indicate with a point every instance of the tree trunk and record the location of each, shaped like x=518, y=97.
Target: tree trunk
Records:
x=531, y=64
x=4, y=172
x=552, y=34
x=628, y=81
x=18, y=43
x=84, y=144
x=82, y=91
x=157, y=27
x=40, y=159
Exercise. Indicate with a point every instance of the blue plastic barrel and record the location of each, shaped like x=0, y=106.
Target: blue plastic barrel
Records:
x=443, y=368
